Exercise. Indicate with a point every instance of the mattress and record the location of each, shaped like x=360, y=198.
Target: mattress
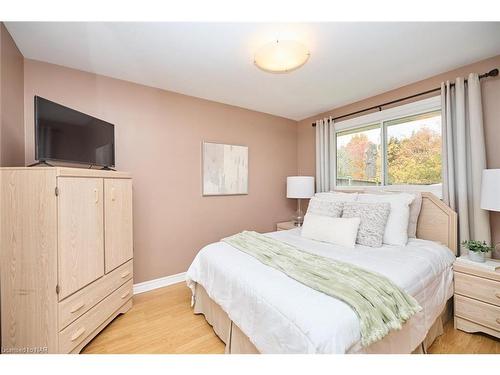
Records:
x=281, y=315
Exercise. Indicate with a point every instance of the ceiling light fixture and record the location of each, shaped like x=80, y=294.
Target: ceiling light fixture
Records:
x=281, y=56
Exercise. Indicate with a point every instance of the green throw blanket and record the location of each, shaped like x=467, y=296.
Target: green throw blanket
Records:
x=380, y=304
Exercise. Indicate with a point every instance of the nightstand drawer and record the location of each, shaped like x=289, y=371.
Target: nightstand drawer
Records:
x=479, y=312
x=286, y=225
x=478, y=288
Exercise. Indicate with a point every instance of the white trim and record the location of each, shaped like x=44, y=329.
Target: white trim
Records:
x=146, y=286
x=415, y=108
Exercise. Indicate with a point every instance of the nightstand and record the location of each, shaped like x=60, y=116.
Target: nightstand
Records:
x=286, y=225
x=477, y=298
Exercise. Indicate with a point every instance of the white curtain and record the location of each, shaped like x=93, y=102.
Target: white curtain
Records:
x=325, y=155
x=464, y=156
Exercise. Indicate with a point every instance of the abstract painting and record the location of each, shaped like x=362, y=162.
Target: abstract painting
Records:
x=225, y=169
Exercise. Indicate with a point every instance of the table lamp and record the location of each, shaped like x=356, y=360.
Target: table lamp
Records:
x=299, y=187
x=490, y=190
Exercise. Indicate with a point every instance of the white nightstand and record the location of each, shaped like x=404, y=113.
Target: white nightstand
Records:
x=477, y=298
x=285, y=225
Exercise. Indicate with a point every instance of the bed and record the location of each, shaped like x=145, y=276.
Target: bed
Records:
x=257, y=309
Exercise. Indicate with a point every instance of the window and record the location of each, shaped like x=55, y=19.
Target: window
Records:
x=359, y=157
x=414, y=150
x=402, y=147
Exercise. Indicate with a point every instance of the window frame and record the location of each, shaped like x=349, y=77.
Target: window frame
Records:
x=381, y=118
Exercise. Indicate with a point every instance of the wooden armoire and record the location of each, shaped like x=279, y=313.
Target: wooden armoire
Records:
x=66, y=254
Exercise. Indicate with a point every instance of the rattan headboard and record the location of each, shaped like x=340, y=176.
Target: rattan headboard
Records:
x=436, y=222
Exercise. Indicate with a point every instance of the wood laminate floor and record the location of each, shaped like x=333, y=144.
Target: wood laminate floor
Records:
x=161, y=321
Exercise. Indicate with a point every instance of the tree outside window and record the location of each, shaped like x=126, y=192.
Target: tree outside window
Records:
x=411, y=154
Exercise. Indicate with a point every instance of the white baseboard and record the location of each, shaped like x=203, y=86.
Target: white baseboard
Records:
x=146, y=286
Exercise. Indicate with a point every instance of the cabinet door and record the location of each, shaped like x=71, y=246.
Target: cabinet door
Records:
x=80, y=233
x=118, y=222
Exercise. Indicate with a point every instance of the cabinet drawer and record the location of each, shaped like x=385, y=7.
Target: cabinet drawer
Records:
x=478, y=312
x=478, y=288
x=76, y=332
x=77, y=304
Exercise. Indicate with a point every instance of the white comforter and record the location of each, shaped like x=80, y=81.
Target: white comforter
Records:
x=281, y=315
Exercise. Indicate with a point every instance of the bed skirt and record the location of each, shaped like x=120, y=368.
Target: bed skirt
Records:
x=238, y=343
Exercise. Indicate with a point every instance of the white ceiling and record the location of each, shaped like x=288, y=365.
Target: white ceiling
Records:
x=349, y=61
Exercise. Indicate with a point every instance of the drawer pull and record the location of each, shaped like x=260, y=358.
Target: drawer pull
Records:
x=125, y=294
x=77, y=334
x=74, y=309
x=498, y=320
x=125, y=274
x=497, y=295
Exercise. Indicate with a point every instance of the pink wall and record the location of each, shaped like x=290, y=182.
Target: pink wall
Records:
x=11, y=101
x=491, y=111
x=158, y=139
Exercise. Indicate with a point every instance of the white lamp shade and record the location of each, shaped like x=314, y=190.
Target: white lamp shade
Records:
x=299, y=187
x=490, y=190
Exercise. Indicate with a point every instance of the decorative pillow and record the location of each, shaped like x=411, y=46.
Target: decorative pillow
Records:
x=324, y=207
x=335, y=230
x=415, y=208
x=396, y=230
x=373, y=220
x=337, y=196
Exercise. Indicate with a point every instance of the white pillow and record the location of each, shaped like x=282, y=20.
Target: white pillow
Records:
x=415, y=208
x=336, y=196
x=336, y=230
x=396, y=229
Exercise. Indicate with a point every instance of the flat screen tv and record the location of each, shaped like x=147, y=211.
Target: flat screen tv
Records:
x=63, y=134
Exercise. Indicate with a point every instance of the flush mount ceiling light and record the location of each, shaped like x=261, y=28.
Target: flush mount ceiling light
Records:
x=281, y=56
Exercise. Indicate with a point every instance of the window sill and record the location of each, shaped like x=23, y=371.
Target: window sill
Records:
x=436, y=189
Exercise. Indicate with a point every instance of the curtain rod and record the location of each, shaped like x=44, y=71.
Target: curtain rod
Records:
x=491, y=73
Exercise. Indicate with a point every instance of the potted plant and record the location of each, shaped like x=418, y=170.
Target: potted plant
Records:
x=477, y=249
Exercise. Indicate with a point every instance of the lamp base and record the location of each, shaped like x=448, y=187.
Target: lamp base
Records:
x=298, y=217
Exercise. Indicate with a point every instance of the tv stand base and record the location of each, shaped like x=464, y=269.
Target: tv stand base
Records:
x=41, y=162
